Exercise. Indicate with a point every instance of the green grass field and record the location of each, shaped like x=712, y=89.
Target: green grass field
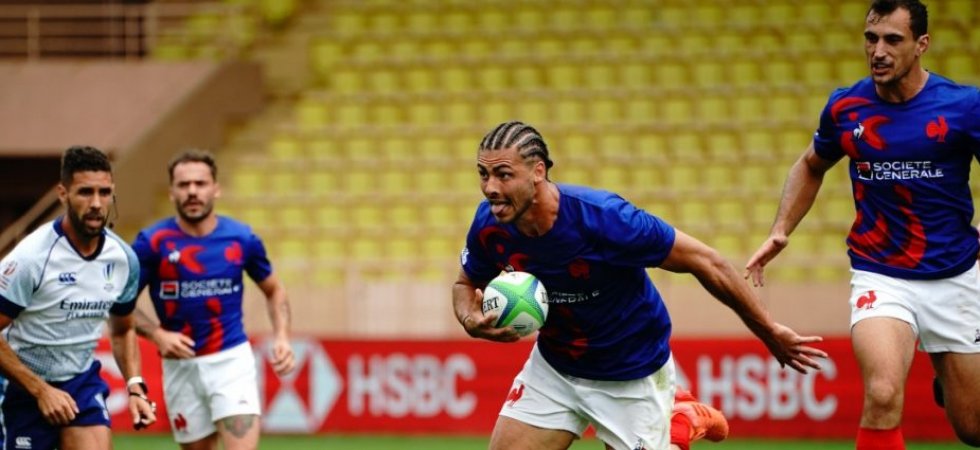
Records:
x=334, y=442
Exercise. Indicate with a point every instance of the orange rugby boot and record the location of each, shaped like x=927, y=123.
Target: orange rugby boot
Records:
x=706, y=422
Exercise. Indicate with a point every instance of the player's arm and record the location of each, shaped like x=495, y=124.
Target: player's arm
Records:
x=468, y=306
x=56, y=405
x=171, y=344
x=277, y=305
x=720, y=278
x=125, y=350
x=799, y=192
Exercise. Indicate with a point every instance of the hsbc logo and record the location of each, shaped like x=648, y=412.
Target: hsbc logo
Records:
x=300, y=400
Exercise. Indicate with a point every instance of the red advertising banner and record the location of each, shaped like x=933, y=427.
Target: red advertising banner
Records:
x=458, y=387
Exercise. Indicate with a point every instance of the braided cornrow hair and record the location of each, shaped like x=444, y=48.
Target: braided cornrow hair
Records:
x=514, y=134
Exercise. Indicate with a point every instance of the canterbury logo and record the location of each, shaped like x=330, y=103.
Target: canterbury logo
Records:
x=23, y=442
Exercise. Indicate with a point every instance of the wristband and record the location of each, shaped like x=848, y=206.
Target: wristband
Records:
x=135, y=380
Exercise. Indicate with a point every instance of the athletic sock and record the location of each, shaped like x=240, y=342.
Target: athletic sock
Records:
x=870, y=439
x=680, y=431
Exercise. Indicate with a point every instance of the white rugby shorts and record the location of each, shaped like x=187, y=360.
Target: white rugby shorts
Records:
x=625, y=414
x=944, y=314
x=200, y=391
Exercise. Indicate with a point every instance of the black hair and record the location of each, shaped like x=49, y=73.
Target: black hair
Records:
x=79, y=158
x=918, y=14
x=514, y=134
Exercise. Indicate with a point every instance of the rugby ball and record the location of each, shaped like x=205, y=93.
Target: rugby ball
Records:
x=518, y=299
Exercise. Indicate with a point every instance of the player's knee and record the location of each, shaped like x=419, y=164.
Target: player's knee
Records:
x=883, y=396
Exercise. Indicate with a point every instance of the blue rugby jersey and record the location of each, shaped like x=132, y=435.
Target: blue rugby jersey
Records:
x=910, y=169
x=196, y=282
x=606, y=320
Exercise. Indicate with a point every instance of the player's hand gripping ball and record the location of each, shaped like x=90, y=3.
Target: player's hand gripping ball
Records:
x=519, y=300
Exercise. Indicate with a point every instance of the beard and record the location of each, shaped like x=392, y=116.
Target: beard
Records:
x=78, y=223
x=205, y=209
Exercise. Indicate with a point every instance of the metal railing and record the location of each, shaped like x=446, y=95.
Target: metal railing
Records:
x=100, y=30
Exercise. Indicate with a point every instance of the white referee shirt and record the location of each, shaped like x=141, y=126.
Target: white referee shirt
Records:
x=60, y=301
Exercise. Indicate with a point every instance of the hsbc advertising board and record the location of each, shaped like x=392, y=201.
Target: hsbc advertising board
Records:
x=458, y=386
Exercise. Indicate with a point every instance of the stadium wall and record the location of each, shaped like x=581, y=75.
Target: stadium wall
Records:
x=139, y=112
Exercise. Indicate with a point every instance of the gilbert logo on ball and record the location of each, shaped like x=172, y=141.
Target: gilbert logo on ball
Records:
x=518, y=299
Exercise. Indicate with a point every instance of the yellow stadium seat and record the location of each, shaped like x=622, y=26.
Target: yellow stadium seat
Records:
x=352, y=114
x=745, y=73
x=322, y=183
x=285, y=148
x=533, y=111
x=604, y=111
x=614, y=148
x=819, y=73
x=682, y=179
x=383, y=23
x=671, y=75
x=801, y=41
x=575, y=147
x=639, y=109
x=419, y=80
x=713, y=110
x=546, y=47
x=493, y=79
x=311, y=115
x=346, y=81
x=401, y=248
x=600, y=76
x=569, y=112
x=721, y=147
x=636, y=16
x=613, y=178
x=565, y=18
x=960, y=67
x=283, y=184
x=457, y=22
x=708, y=74
x=496, y=111
x=359, y=182
x=383, y=81
x=850, y=71
x=440, y=49
x=365, y=217
x=600, y=17
x=334, y=218
x=635, y=75
x=324, y=56
x=563, y=76
x=477, y=47
x=456, y=79
x=493, y=20
x=349, y=22
x=677, y=111
x=430, y=181
x=527, y=77
x=759, y=145
x=368, y=51
x=394, y=181
x=423, y=114
x=620, y=46
x=528, y=18
x=461, y=113
x=366, y=249
x=324, y=150
x=422, y=21
x=571, y=174
x=387, y=114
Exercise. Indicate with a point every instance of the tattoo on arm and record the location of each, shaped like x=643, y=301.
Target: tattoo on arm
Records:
x=238, y=426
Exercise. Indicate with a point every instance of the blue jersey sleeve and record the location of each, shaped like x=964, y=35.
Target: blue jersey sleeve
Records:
x=473, y=258
x=257, y=264
x=825, y=141
x=146, y=257
x=973, y=124
x=631, y=236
